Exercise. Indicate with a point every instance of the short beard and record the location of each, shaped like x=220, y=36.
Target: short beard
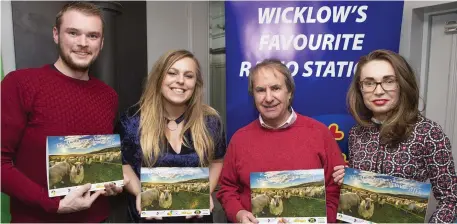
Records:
x=69, y=62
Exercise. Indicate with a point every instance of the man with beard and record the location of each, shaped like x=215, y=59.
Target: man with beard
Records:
x=56, y=100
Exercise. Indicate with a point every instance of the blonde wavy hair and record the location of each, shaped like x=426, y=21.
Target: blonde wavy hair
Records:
x=152, y=113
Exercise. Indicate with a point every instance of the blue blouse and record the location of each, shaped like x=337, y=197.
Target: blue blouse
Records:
x=133, y=155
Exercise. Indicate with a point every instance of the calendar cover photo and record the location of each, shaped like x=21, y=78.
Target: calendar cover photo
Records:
x=76, y=160
x=368, y=197
x=290, y=196
x=174, y=191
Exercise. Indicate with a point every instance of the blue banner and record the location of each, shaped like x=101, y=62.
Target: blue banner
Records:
x=320, y=42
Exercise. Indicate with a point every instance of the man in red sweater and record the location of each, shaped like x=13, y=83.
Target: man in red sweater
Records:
x=280, y=139
x=55, y=100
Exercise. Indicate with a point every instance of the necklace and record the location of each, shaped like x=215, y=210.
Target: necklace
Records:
x=172, y=124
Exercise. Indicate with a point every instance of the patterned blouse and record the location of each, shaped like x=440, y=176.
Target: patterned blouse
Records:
x=132, y=154
x=426, y=154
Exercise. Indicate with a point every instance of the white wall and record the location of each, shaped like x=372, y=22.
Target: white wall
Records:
x=179, y=25
x=407, y=22
x=412, y=31
x=412, y=47
x=7, y=43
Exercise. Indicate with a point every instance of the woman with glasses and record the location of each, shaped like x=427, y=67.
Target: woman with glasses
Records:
x=392, y=137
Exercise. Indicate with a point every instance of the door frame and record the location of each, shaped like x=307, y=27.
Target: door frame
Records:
x=420, y=44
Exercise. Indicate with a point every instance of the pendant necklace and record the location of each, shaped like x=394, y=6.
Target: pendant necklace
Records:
x=172, y=124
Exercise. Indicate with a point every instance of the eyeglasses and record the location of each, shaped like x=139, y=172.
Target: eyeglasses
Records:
x=386, y=85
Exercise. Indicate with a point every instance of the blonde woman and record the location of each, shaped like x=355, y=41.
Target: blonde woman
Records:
x=171, y=127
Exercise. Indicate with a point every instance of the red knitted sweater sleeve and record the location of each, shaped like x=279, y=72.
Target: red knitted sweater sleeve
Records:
x=15, y=105
x=229, y=194
x=334, y=158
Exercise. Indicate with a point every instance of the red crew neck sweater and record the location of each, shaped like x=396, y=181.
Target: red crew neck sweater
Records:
x=306, y=144
x=42, y=102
